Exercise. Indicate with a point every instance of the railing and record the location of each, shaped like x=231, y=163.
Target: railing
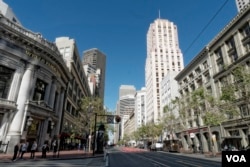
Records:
x=35, y=36
x=48, y=46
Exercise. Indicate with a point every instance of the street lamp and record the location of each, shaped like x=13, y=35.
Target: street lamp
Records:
x=52, y=125
x=89, y=112
x=29, y=121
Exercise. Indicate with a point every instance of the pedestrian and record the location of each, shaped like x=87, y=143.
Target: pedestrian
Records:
x=225, y=147
x=16, y=149
x=54, y=145
x=33, y=150
x=24, y=149
x=45, y=149
x=20, y=150
x=79, y=146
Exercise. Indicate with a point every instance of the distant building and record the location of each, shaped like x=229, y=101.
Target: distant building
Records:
x=163, y=56
x=140, y=108
x=94, y=62
x=78, y=87
x=125, y=107
x=169, y=91
x=8, y=13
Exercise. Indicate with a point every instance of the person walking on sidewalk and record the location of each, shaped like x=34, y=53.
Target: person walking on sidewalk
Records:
x=20, y=150
x=45, y=149
x=33, y=150
x=55, y=146
x=16, y=149
x=24, y=149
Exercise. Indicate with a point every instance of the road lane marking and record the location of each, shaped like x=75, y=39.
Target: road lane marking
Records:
x=186, y=163
x=158, y=163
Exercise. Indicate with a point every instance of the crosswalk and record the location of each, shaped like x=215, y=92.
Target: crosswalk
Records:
x=132, y=149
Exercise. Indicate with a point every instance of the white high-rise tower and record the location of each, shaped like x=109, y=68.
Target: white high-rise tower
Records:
x=163, y=56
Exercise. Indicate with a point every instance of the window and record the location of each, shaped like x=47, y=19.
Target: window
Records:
x=244, y=110
x=39, y=90
x=219, y=59
x=207, y=77
x=5, y=81
x=230, y=43
x=198, y=71
x=205, y=65
x=245, y=31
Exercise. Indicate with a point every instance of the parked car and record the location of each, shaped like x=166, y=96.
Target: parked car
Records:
x=158, y=146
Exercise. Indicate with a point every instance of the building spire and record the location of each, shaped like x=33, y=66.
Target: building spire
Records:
x=159, y=14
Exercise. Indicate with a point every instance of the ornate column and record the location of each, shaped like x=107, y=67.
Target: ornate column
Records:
x=52, y=94
x=4, y=126
x=57, y=103
x=15, y=84
x=47, y=92
x=43, y=134
x=60, y=111
x=19, y=118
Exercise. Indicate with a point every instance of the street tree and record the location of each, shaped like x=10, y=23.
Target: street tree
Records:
x=88, y=107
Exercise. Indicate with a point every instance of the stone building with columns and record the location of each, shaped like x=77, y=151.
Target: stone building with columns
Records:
x=211, y=69
x=33, y=84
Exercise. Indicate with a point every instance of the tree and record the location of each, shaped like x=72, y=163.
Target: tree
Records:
x=206, y=108
x=170, y=120
x=88, y=107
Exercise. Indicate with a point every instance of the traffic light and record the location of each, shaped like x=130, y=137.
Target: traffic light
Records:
x=117, y=119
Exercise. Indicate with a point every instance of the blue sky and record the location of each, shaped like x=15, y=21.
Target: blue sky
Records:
x=119, y=27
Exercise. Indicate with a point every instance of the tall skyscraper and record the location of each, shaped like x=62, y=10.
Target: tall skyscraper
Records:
x=97, y=60
x=241, y=4
x=163, y=56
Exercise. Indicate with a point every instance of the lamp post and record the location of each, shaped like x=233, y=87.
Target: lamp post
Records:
x=52, y=125
x=29, y=121
x=89, y=113
x=94, y=135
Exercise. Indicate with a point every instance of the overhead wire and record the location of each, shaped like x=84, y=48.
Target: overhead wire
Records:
x=206, y=26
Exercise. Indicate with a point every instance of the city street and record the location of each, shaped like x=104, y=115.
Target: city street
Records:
x=116, y=157
x=132, y=158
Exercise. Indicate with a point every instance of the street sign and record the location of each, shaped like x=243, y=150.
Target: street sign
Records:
x=110, y=119
x=192, y=135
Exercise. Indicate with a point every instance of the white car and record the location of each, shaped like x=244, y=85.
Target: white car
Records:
x=157, y=146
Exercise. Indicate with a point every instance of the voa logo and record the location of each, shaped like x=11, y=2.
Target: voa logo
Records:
x=236, y=158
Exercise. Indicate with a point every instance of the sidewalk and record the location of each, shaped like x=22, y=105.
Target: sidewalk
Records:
x=67, y=154
x=206, y=156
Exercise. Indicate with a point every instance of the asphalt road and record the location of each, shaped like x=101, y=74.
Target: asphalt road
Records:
x=156, y=159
